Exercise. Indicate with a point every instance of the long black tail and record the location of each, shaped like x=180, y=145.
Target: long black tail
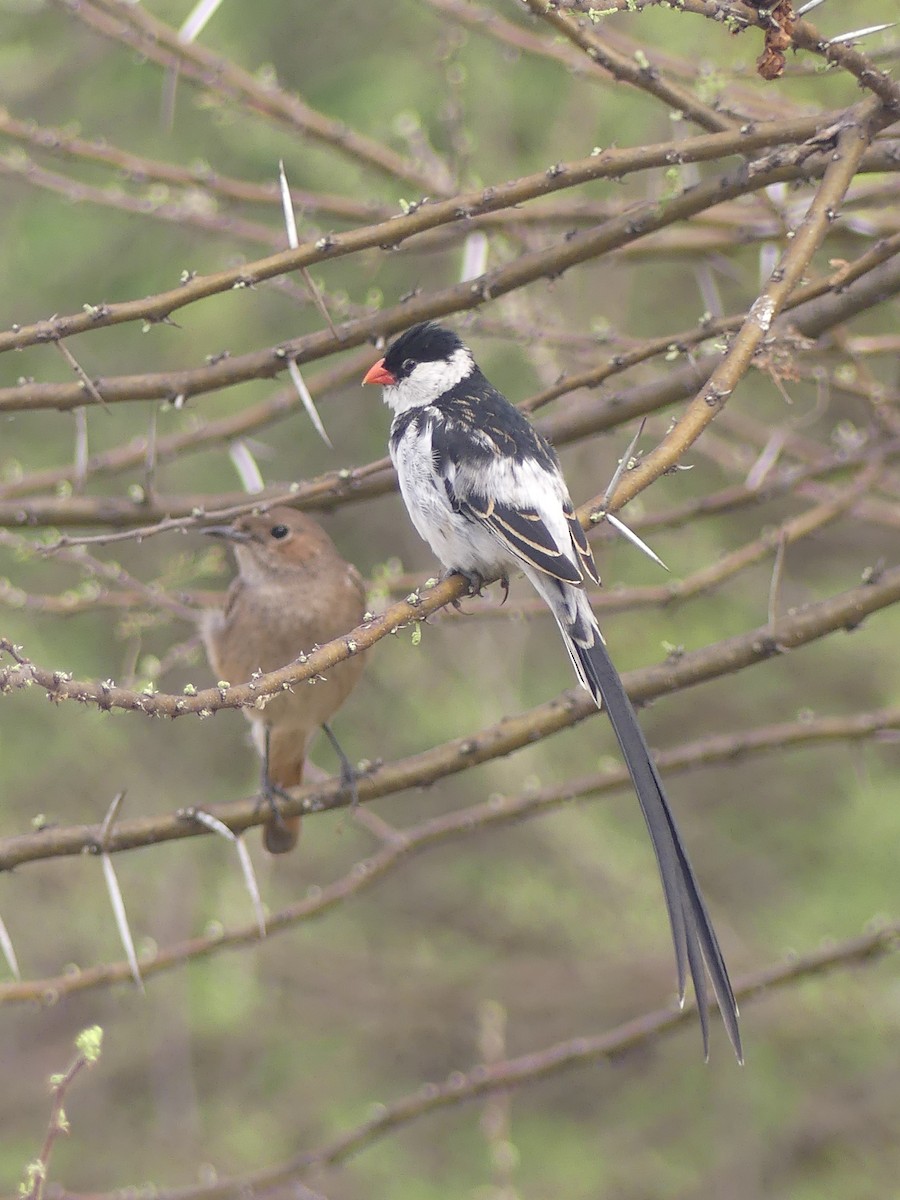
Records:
x=692, y=930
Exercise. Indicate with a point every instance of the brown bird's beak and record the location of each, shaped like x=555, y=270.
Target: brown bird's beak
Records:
x=226, y=531
x=379, y=374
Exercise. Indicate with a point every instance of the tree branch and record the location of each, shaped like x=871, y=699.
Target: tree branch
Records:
x=610, y=164
x=496, y=813
x=802, y=626
x=484, y=1080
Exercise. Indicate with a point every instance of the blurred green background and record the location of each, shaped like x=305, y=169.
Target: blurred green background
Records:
x=246, y=1058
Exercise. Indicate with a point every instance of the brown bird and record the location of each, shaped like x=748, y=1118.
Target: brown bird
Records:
x=293, y=591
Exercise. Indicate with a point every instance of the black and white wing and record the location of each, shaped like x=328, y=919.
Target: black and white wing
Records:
x=498, y=471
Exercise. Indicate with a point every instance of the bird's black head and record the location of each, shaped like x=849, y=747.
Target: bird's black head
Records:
x=425, y=342
x=423, y=364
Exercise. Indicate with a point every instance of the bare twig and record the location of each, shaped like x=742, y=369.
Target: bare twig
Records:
x=638, y=73
x=88, y=1045
x=161, y=43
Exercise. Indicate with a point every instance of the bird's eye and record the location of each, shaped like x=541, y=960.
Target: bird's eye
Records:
x=408, y=364
x=279, y=531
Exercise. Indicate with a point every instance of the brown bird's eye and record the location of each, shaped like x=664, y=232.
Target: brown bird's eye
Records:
x=279, y=531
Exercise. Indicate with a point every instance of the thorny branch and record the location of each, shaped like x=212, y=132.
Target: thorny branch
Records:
x=829, y=506
x=484, y=1080
x=495, y=813
x=609, y=164
x=851, y=144
x=845, y=611
x=140, y=519
x=529, y=267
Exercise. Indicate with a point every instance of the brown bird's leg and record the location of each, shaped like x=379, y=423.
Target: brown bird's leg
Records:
x=270, y=794
x=349, y=774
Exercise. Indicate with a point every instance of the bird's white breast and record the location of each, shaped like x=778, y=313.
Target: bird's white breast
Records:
x=460, y=544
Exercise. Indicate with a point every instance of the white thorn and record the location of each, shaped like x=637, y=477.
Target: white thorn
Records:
x=634, y=539
x=252, y=886
x=290, y=225
x=311, y=411
x=808, y=7
x=81, y=448
x=623, y=464
x=859, y=33
x=246, y=466
x=214, y=825
x=9, y=952
x=118, y=907
x=197, y=20
x=193, y=26
x=475, y=254
x=287, y=207
x=766, y=461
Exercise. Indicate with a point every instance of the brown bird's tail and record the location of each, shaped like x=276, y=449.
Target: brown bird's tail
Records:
x=285, y=770
x=281, y=834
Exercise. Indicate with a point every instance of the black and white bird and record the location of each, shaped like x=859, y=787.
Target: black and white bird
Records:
x=486, y=491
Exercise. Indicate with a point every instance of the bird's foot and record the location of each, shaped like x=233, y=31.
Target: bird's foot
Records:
x=474, y=583
x=269, y=795
x=349, y=784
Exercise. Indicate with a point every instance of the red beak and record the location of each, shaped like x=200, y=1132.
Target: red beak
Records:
x=379, y=374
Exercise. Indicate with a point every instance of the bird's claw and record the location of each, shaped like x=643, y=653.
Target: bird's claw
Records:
x=269, y=794
x=474, y=584
x=349, y=785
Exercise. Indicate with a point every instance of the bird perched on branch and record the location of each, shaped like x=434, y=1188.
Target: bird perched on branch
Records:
x=486, y=491
x=293, y=591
